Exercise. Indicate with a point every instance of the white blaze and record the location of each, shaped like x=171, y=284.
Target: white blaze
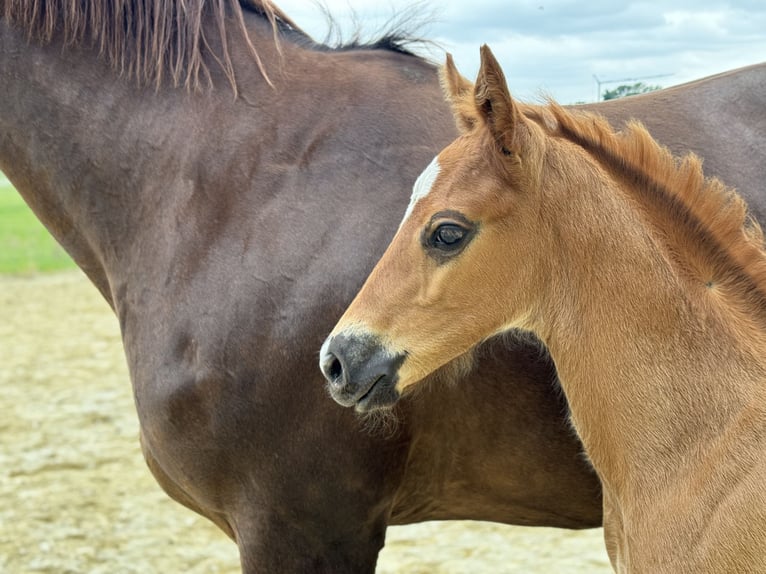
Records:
x=422, y=186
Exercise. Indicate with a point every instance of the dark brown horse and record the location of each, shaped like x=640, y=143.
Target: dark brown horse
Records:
x=229, y=233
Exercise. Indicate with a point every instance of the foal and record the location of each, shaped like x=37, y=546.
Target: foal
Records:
x=645, y=282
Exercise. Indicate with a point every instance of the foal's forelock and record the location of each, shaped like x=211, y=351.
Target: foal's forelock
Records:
x=147, y=40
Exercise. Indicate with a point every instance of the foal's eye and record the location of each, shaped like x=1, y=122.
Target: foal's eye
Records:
x=448, y=236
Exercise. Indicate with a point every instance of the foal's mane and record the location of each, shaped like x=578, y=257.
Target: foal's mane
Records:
x=712, y=217
x=153, y=40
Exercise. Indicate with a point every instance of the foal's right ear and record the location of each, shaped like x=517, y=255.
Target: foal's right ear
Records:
x=459, y=93
x=494, y=104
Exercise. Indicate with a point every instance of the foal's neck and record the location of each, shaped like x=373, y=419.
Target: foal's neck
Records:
x=648, y=366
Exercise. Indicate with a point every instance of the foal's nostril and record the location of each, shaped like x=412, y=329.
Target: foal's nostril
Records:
x=360, y=372
x=335, y=369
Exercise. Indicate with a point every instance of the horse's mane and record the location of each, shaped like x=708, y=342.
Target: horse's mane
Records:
x=144, y=39
x=711, y=217
x=153, y=40
x=399, y=34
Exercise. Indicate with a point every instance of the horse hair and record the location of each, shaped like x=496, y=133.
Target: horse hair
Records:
x=143, y=39
x=150, y=40
x=400, y=33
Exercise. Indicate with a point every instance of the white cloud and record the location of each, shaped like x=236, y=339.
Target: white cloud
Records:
x=558, y=46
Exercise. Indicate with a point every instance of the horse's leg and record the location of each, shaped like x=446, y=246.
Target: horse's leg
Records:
x=271, y=542
x=613, y=533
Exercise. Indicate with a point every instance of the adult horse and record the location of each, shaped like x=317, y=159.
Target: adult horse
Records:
x=645, y=281
x=209, y=223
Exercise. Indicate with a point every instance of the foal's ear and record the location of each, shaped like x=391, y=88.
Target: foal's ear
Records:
x=458, y=92
x=494, y=104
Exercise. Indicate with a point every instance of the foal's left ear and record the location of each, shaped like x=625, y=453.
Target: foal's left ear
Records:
x=457, y=90
x=494, y=103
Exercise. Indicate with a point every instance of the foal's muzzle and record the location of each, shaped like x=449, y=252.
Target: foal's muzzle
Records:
x=360, y=372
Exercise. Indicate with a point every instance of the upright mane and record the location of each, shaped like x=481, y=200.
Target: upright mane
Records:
x=399, y=34
x=147, y=40
x=723, y=245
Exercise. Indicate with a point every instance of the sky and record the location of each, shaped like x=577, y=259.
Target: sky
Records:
x=566, y=48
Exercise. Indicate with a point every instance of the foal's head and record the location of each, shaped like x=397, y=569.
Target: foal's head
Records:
x=466, y=256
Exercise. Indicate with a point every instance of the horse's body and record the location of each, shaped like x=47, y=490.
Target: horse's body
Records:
x=646, y=283
x=209, y=223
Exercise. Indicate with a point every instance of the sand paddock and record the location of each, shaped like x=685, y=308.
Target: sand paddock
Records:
x=77, y=497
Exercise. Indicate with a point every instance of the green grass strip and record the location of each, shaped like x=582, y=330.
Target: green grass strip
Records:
x=26, y=247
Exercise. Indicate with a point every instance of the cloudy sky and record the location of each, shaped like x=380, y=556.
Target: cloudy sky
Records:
x=558, y=46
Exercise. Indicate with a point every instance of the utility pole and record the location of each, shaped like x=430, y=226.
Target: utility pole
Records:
x=600, y=82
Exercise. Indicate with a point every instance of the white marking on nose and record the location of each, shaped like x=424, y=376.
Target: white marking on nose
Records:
x=422, y=186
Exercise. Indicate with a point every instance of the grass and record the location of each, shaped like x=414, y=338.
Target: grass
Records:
x=26, y=247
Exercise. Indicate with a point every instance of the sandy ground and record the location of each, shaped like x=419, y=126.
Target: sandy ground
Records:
x=76, y=497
